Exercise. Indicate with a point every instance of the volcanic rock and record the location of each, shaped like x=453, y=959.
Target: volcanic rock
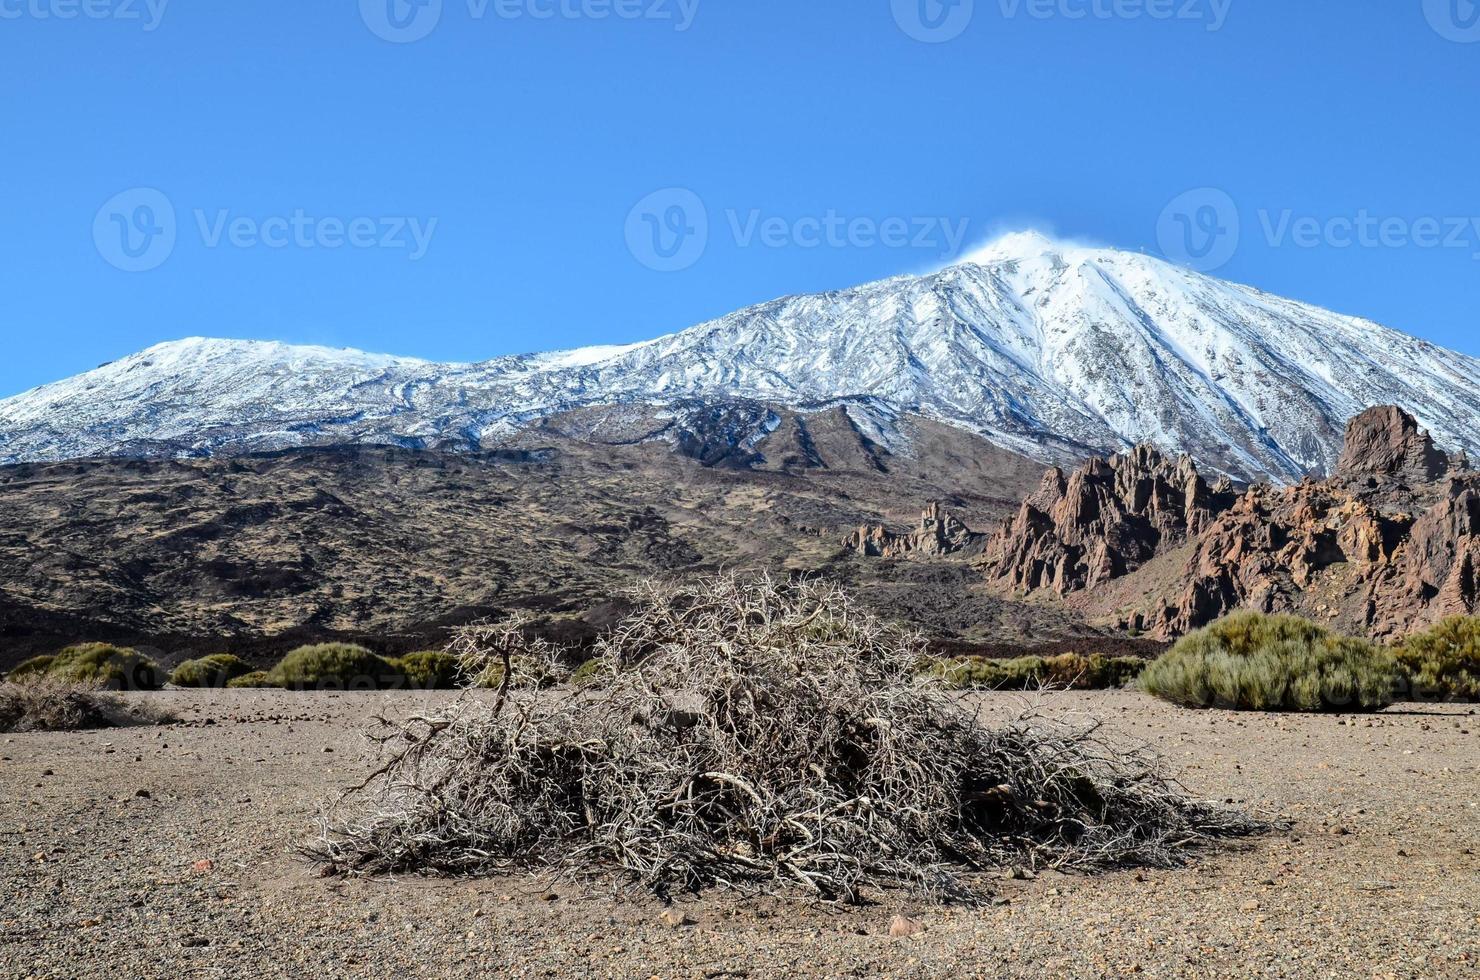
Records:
x=1105, y=520
x=939, y=533
x=1390, y=543
x=1385, y=443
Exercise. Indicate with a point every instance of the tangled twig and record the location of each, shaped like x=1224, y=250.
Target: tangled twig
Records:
x=762, y=736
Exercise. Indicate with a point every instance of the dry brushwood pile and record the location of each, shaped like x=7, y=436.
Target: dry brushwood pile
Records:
x=43, y=704
x=763, y=736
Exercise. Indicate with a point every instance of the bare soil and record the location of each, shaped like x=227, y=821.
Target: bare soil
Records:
x=103, y=836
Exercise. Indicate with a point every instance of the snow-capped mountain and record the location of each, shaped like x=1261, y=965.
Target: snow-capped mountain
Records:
x=1048, y=349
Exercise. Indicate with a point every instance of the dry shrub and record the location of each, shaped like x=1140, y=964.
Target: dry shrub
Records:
x=762, y=736
x=507, y=655
x=49, y=704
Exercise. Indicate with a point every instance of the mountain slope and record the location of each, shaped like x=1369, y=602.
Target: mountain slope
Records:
x=1050, y=350
x=389, y=546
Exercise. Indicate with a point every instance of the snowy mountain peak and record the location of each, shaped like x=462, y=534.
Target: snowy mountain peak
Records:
x=1049, y=348
x=1020, y=246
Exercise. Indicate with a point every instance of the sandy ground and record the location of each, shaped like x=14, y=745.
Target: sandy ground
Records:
x=101, y=832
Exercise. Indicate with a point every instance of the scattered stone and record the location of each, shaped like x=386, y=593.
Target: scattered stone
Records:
x=674, y=919
x=902, y=927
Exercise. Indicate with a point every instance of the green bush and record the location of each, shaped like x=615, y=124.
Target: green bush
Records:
x=106, y=666
x=528, y=673
x=332, y=666
x=257, y=678
x=1444, y=662
x=429, y=670
x=1253, y=662
x=591, y=672
x=217, y=670
x=35, y=667
x=1067, y=670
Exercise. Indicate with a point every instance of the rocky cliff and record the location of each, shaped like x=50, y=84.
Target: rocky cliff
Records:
x=1103, y=521
x=1389, y=543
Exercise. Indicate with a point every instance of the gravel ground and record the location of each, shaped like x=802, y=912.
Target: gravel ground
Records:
x=104, y=835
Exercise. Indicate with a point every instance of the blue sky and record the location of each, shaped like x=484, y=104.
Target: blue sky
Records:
x=471, y=192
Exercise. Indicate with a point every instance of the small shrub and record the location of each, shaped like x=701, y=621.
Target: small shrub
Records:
x=41, y=704
x=35, y=667
x=1253, y=662
x=528, y=673
x=106, y=666
x=46, y=704
x=429, y=670
x=332, y=666
x=1444, y=662
x=1018, y=674
x=592, y=672
x=217, y=670
x=1124, y=671
x=1068, y=670
x=256, y=679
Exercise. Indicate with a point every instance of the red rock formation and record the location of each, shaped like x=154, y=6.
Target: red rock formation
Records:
x=939, y=533
x=1385, y=443
x=1349, y=548
x=1105, y=520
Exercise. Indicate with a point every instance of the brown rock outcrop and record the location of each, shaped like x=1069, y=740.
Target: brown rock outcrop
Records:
x=1389, y=543
x=1384, y=444
x=939, y=533
x=1103, y=521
